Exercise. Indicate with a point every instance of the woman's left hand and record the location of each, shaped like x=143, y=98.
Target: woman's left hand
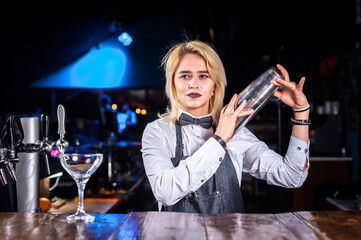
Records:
x=292, y=94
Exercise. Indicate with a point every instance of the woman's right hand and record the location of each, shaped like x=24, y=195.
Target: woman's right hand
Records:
x=228, y=118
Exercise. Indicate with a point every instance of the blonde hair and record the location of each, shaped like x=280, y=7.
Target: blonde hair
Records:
x=215, y=69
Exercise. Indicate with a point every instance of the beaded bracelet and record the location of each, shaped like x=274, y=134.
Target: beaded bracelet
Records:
x=302, y=109
x=300, y=121
x=220, y=140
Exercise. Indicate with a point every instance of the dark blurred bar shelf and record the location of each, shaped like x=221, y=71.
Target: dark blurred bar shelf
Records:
x=342, y=204
x=330, y=158
x=169, y=225
x=327, y=177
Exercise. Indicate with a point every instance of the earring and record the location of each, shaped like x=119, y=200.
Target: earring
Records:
x=213, y=93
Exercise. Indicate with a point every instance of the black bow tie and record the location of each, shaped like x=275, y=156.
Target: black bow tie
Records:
x=205, y=122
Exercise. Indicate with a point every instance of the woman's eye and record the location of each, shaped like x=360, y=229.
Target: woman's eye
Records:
x=185, y=76
x=203, y=76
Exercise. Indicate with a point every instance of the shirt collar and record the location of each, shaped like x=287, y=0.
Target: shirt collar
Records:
x=182, y=111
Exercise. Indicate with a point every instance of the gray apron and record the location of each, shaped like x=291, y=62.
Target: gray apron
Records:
x=220, y=194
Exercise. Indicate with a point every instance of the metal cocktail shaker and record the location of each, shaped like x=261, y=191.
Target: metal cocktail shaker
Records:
x=257, y=94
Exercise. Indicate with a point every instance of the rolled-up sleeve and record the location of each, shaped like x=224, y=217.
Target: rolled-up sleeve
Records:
x=170, y=184
x=288, y=171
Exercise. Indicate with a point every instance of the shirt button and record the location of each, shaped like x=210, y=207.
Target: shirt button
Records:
x=306, y=150
x=220, y=159
x=298, y=148
x=202, y=180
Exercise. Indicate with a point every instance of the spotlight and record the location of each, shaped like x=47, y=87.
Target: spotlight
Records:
x=114, y=106
x=125, y=38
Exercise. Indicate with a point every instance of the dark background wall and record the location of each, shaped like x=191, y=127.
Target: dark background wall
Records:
x=39, y=37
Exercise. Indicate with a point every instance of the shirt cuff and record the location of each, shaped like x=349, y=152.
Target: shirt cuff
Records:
x=208, y=158
x=297, y=148
x=213, y=151
x=212, y=145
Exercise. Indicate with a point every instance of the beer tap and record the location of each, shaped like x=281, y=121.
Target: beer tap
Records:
x=61, y=144
x=43, y=146
x=11, y=138
x=2, y=173
x=3, y=179
x=3, y=153
x=46, y=146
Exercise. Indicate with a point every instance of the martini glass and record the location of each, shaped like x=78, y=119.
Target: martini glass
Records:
x=81, y=166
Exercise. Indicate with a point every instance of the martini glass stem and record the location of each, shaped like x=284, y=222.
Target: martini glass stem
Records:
x=81, y=186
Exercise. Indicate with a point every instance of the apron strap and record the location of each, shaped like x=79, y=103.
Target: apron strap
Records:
x=179, y=146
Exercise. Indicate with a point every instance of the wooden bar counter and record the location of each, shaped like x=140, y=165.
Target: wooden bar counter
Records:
x=165, y=225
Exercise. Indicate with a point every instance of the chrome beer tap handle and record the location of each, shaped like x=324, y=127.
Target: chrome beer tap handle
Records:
x=62, y=144
x=46, y=146
x=3, y=179
x=16, y=135
x=6, y=161
x=11, y=149
x=3, y=152
x=47, y=163
x=10, y=167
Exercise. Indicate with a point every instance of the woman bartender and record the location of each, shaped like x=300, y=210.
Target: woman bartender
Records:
x=192, y=156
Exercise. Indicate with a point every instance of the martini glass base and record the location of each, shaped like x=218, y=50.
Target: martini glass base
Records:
x=80, y=217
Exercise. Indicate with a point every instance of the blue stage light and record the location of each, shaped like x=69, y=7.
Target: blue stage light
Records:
x=99, y=68
x=125, y=38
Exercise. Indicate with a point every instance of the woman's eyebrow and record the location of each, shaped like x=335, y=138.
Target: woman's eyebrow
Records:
x=187, y=71
x=184, y=71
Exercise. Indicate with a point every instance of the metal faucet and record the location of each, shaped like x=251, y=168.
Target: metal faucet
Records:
x=11, y=138
x=62, y=144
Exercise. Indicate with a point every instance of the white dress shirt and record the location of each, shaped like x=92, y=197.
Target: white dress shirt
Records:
x=170, y=184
